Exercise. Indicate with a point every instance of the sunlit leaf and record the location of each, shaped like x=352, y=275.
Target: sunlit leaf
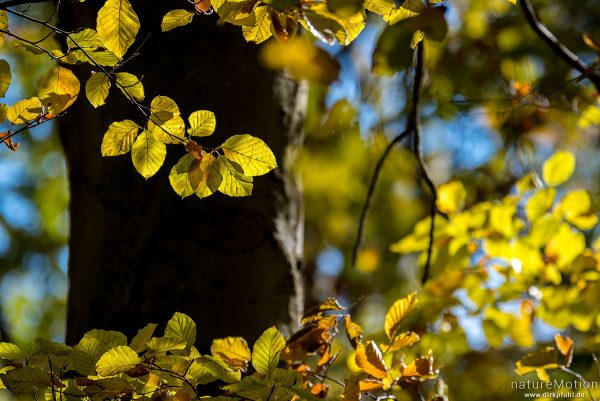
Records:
x=370, y=360
x=176, y=18
x=266, y=350
x=539, y=362
x=539, y=203
x=97, y=88
x=86, y=39
x=181, y=326
x=143, y=336
x=24, y=111
x=451, y=197
x=558, y=168
x=5, y=77
x=119, y=138
x=233, y=350
x=202, y=123
x=117, y=26
x=250, y=153
x=130, y=85
x=58, y=89
x=10, y=351
x=148, y=154
x=261, y=30
x=399, y=311
x=117, y=360
x=400, y=341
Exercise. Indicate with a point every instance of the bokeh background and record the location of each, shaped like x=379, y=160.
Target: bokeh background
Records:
x=479, y=126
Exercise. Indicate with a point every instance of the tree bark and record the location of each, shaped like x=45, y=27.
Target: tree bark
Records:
x=138, y=252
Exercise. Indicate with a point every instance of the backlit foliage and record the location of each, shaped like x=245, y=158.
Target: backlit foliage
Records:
x=105, y=365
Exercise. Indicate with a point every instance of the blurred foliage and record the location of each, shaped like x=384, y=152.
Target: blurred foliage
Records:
x=497, y=103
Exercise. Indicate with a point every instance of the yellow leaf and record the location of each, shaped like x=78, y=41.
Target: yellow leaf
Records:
x=24, y=111
x=176, y=18
x=191, y=175
x=369, y=359
x=576, y=208
x=558, y=168
x=261, y=29
x=117, y=360
x=421, y=368
x=398, y=312
x=252, y=155
x=130, y=85
x=5, y=77
x=401, y=341
x=86, y=39
x=451, y=197
x=353, y=331
x=538, y=362
x=539, y=203
x=3, y=25
x=565, y=245
x=148, y=154
x=96, y=89
x=565, y=347
x=302, y=59
x=408, y=9
x=234, y=183
x=118, y=26
x=119, y=138
x=58, y=89
x=233, y=350
x=165, y=121
x=202, y=123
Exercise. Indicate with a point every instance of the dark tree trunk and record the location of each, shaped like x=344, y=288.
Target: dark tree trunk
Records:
x=138, y=252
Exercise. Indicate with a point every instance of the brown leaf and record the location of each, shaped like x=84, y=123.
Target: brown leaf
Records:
x=12, y=145
x=351, y=390
x=369, y=359
x=203, y=6
x=353, y=332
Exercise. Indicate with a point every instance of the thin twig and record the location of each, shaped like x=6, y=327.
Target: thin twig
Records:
x=412, y=129
x=555, y=45
x=371, y=192
x=582, y=379
x=414, y=122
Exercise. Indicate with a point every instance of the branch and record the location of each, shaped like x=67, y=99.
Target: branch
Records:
x=412, y=128
x=415, y=124
x=14, y=3
x=556, y=46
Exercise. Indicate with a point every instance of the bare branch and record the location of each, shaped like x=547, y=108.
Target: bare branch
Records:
x=556, y=46
x=412, y=129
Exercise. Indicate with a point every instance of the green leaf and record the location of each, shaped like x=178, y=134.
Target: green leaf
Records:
x=97, y=88
x=117, y=360
x=233, y=350
x=10, y=351
x=25, y=379
x=91, y=347
x=86, y=39
x=130, y=85
x=5, y=77
x=100, y=57
x=250, y=153
x=118, y=26
x=165, y=121
x=234, y=183
x=251, y=387
x=148, y=154
x=24, y=111
x=182, y=327
x=143, y=336
x=165, y=344
x=176, y=18
x=202, y=123
x=266, y=351
x=119, y=138
x=219, y=369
